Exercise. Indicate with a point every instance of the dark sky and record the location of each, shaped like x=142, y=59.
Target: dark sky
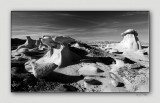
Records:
x=83, y=25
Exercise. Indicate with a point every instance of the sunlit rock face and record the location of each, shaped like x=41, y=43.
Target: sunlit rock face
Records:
x=119, y=63
x=57, y=56
x=130, y=40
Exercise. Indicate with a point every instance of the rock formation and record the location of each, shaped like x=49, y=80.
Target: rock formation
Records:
x=130, y=42
x=57, y=56
x=29, y=44
x=32, y=44
x=64, y=40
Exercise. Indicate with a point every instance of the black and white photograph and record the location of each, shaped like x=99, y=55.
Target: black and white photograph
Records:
x=80, y=51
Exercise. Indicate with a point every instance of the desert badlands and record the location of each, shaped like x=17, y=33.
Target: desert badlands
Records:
x=63, y=64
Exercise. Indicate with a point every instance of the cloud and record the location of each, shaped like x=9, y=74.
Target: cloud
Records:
x=91, y=25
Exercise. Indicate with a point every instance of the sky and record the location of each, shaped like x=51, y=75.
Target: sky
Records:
x=81, y=25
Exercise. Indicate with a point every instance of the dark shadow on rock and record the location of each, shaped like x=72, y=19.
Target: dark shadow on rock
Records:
x=137, y=66
x=145, y=53
x=36, y=54
x=89, y=60
x=105, y=60
x=143, y=47
x=70, y=88
x=93, y=81
x=120, y=84
x=118, y=52
x=99, y=70
x=126, y=60
x=58, y=77
x=78, y=51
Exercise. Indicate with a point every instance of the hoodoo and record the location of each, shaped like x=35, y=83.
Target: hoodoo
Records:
x=57, y=54
x=130, y=40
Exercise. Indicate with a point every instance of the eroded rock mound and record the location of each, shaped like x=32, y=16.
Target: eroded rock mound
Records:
x=64, y=40
x=58, y=56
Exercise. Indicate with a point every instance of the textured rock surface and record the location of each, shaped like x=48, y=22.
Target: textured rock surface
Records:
x=57, y=56
x=61, y=64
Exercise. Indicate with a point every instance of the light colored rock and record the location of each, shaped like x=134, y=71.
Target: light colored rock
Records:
x=88, y=69
x=76, y=45
x=114, y=72
x=114, y=67
x=130, y=42
x=114, y=79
